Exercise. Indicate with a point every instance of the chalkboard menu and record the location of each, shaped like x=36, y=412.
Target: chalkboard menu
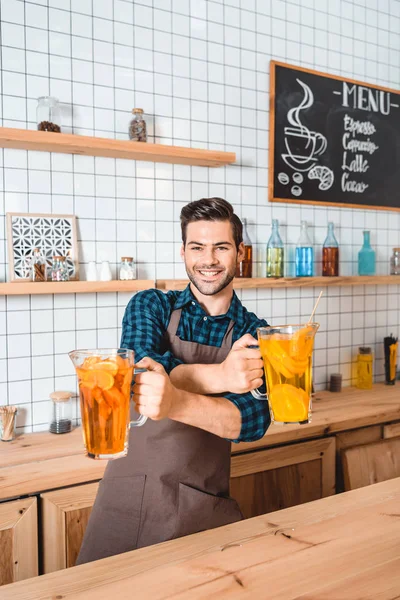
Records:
x=333, y=141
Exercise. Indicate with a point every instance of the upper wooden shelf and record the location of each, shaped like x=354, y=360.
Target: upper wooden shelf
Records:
x=289, y=282
x=19, y=288
x=27, y=139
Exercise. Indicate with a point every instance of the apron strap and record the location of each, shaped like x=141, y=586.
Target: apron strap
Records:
x=174, y=323
x=227, y=341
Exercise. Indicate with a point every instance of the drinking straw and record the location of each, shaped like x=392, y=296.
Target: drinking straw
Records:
x=315, y=306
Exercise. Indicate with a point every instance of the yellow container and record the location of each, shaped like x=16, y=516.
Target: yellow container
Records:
x=364, y=368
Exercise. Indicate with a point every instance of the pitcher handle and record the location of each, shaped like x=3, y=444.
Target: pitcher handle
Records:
x=256, y=393
x=259, y=395
x=142, y=419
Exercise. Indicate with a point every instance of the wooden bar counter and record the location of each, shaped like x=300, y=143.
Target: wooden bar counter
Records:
x=345, y=547
x=37, y=462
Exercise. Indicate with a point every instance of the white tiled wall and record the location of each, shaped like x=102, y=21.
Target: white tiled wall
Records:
x=200, y=70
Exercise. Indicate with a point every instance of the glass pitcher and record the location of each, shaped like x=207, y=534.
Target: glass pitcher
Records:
x=286, y=351
x=105, y=380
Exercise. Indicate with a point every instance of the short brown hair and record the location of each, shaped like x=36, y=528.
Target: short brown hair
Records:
x=211, y=209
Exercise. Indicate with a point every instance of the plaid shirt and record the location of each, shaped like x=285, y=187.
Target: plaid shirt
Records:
x=143, y=329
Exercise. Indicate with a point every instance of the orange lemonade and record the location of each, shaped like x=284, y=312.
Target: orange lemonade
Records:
x=287, y=355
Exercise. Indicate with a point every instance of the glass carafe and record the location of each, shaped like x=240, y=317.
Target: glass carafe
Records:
x=105, y=380
x=366, y=257
x=275, y=252
x=245, y=268
x=287, y=355
x=304, y=254
x=330, y=254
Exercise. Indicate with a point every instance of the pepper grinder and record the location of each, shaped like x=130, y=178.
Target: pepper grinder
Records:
x=61, y=412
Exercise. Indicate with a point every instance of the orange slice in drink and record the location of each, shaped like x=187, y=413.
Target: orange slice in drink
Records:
x=113, y=397
x=98, y=378
x=90, y=361
x=107, y=365
x=288, y=403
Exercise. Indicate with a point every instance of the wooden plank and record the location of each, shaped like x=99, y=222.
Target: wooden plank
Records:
x=22, y=288
x=34, y=447
x=347, y=439
x=290, y=282
x=18, y=540
x=321, y=544
x=65, y=514
x=91, y=146
x=26, y=541
x=49, y=475
x=371, y=463
x=268, y=491
x=391, y=430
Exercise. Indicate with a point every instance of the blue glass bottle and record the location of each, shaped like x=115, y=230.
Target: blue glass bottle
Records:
x=366, y=257
x=304, y=254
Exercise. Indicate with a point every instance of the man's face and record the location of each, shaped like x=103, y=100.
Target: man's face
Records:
x=210, y=255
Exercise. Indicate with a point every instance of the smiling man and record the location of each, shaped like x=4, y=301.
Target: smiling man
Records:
x=196, y=345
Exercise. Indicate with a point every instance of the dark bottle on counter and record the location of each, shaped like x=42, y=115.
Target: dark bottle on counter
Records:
x=245, y=268
x=330, y=254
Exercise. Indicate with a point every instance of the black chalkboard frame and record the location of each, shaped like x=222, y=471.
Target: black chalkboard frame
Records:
x=271, y=161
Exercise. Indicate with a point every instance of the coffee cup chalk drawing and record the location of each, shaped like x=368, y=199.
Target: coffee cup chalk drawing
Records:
x=303, y=148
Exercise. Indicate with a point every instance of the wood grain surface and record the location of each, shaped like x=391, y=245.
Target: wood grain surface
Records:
x=321, y=550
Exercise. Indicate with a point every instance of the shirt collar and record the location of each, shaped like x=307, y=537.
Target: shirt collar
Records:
x=236, y=311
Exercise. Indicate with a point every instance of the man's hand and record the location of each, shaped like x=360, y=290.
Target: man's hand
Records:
x=242, y=370
x=153, y=391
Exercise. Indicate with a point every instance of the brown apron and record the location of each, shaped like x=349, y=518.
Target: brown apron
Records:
x=173, y=482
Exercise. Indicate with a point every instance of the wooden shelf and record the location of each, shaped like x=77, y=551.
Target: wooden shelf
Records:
x=26, y=139
x=290, y=282
x=16, y=288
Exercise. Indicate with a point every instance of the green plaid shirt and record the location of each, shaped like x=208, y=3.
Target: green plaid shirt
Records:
x=143, y=330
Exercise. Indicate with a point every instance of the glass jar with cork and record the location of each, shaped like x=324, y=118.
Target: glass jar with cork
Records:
x=38, y=266
x=61, y=412
x=137, y=127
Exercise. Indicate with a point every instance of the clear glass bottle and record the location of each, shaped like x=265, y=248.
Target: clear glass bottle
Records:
x=48, y=114
x=127, y=269
x=275, y=252
x=38, y=266
x=395, y=262
x=245, y=268
x=366, y=257
x=304, y=254
x=137, y=126
x=364, y=368
x=59, y=269
x=330, y=254
x=61, y=412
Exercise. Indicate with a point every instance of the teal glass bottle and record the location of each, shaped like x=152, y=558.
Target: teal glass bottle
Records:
x=304, y=254
x=275, y=252
x=366, y=257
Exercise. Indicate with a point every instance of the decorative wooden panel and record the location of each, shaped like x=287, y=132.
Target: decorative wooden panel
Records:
x=371, y=463
x=65, y=515
x=391, y=430
x=348, y=439
x=277, y=478
x=18, y=540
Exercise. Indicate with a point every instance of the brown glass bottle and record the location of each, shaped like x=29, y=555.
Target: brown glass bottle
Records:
x=330, y=262
x=330, y=254
x=245, y=268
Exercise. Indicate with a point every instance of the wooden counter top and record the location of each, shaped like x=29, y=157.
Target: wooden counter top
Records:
x=339, y=548
x=42, y=461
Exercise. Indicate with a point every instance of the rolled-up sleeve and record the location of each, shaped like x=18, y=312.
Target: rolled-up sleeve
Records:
x=143, y=328
x=255, y=416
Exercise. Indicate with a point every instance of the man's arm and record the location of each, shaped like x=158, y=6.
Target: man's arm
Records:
x=238, y=418
x=241, y=371
x=143, y=328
